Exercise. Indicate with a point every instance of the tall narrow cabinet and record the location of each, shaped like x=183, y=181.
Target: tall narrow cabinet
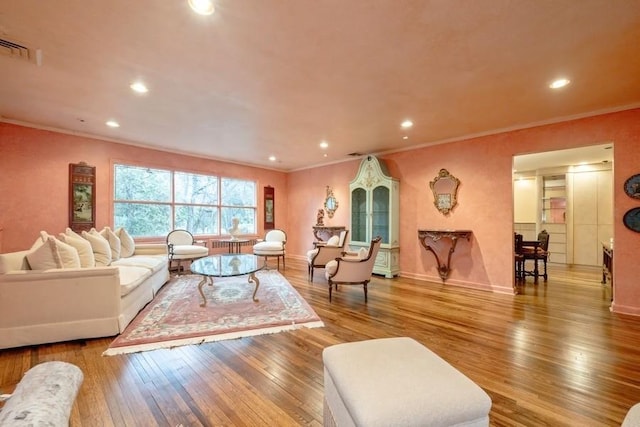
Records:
x=375, y=205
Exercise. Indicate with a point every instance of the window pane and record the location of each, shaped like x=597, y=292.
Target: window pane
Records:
x=195, y=189
x=237, y=192
x=197, y=219
x=142, y=184
x=247, y=217
x=143, y=220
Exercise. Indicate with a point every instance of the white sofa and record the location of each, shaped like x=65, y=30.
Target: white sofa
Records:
x=62, y=304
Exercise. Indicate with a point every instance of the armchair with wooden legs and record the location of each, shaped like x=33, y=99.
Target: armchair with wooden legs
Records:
x=323, y=253
x=353, y=269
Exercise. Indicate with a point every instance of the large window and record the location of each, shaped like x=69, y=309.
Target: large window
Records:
x=151, y=202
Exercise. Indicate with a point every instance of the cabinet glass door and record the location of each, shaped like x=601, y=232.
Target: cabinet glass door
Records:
x=359, y=215
x=380, y=212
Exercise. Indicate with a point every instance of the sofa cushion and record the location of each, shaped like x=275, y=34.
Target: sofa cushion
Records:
x=333, y=241
x=100, y=247
x=131, y=277
x=53, y=254
x=152, y=262
x=85, y=252
x=114, y=242
x=127, y=245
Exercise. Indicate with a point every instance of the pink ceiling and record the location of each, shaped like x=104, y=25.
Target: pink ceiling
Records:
x=275, y=77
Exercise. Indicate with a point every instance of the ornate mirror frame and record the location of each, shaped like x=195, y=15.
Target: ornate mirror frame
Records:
x=330, y=203
x=445, y=191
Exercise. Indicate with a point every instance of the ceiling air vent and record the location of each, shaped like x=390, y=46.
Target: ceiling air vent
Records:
x=15, y=50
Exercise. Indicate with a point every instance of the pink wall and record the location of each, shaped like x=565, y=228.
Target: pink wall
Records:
x=35, y=179
x=483, y=166
x=34, y=185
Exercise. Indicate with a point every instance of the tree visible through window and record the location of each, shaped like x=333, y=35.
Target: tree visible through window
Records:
x=151, y=202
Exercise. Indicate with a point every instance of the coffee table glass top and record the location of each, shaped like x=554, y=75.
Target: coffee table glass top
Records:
x=226, y=265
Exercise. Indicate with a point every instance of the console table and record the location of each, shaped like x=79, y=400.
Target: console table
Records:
x=324, y=232
x=426, y=236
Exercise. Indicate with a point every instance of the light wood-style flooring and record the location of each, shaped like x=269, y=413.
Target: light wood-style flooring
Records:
x=553, y=355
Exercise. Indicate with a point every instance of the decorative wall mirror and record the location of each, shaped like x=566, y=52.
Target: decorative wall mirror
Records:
x=445, y=191
x=330, y=202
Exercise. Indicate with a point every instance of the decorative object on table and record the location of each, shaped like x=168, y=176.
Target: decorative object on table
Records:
x=330, y=203
x=269, y=208
x=320, y=218
x=175, y=318
x=445, y=191
x=632, y=187
x=375, y=211
x=631, y=219
x=234, y=231
x=82, y=196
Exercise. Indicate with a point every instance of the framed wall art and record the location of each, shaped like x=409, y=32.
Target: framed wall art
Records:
x=269, y=208
x=632, y=187
x=82, y=196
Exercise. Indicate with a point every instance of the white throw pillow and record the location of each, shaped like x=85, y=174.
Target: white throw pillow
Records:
x=85, y=251
x=333, y=241
x=100, y=247
x=70, y=232
x=127, y=245
x=114, y=242
x=53, y=254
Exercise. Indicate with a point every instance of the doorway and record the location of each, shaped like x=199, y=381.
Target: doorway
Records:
x=568, y=193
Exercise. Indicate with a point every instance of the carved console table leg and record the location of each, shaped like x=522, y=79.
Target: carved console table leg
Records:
x=435, y=235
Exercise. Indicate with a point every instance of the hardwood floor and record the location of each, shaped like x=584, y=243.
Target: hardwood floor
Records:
x=553, y=355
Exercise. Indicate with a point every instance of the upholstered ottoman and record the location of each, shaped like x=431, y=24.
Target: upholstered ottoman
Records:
x=44, y=396
x=397, y=382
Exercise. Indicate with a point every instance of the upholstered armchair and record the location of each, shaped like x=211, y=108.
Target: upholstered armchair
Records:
x=325, y=252
x=353, y=269
x=272, y=246
x=182, y=246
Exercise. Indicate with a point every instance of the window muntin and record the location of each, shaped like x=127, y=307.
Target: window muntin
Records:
x=151, y=202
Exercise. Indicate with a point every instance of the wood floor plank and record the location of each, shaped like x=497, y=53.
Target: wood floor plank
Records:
x=553, y=355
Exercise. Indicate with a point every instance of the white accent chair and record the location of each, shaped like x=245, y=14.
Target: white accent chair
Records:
x=182, y=246
x=272, y=246
x=326, y=251
x=353, y=269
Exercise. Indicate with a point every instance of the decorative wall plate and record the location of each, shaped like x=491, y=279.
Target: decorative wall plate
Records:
x=632, y=186
x=631, y=219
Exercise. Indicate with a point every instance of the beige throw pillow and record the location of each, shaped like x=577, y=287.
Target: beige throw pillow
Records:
x=100, y=247
x=114, y=242
x=127, y=245
x=53, y=254
x=85, y=251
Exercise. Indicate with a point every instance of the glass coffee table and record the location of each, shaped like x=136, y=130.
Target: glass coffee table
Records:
x=227, y=265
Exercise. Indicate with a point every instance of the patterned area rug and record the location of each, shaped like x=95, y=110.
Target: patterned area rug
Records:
x=175, y=317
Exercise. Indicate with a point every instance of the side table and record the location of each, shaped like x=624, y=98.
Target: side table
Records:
x=234, y=244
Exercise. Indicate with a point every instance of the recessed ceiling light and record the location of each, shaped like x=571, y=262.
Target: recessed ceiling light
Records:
x=113, y=124
x=272, y=158
x=202, y=7
x=405, y=137
x=557, y=84
x=325, y=154
x=406, y=124
x=324, y=144
x=139, y=87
